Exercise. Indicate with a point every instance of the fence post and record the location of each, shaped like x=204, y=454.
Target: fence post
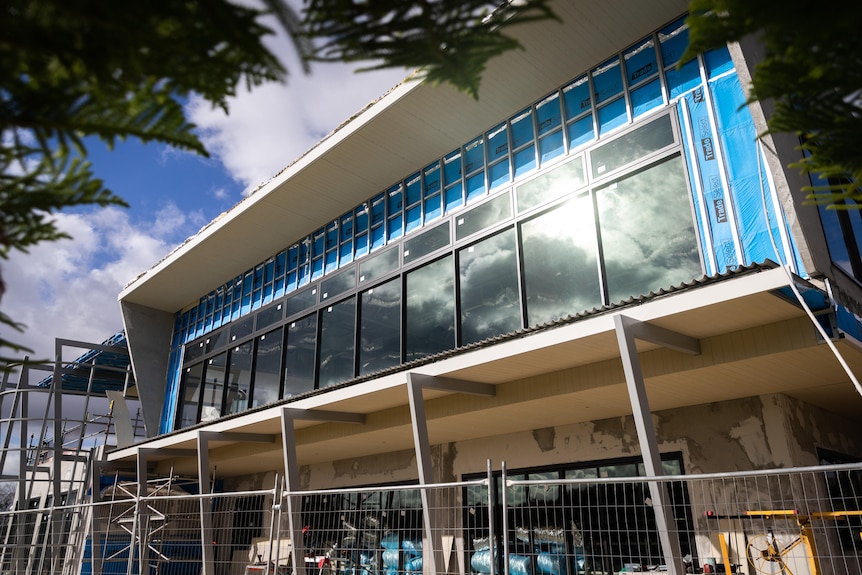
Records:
x=492, y=539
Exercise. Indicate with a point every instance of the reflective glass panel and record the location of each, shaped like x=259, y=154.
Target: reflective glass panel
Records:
x=556, y=183
x=426, y=242
x=191, y=395
x=211, y=398
x=337, y=329
x=194, y=350
x=299, y=359
x=301, y=301
x=216, y=340
x=270, y=315
x=241, y=329
x=481, y=217
x=430, y=309
x=647, y=235
x=239, y=383
x=380, y=329
x=267, y=368
x=490, y=304
x=337, y=284
x=561, y=275
x=632, y=146
x=377, y=266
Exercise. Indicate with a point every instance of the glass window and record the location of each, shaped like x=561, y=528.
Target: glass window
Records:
x=426, y=242
x=191, y=395
x=548, y=114
x=561, y=275
x=581, y=132
x=488, y=272
x=612, y=115
x=216, y=340
x=241, y=329
x=194, y=350
x=576, y=97
x=646, y=98
x=267, y=368
x=484, y=216
x=647, y=234
x=636, y=144
x=551, y=185
x=337, y=333
x=607, y=80
x=213, y=388
x=270, y=315
x=301, y=301
x=474, y=156
x=522, y=128
x=337, y=284
x=843, y=229
x=673, y=40
x=378, y=266
x=498, y=143
x=299, y=359
x=380, y=329
x=640, y=62
x=239, y=378
x=430, y=309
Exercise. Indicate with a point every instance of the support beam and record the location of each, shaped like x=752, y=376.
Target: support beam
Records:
x=204, y=485
x=626, y=328
x=290, y=415
x=416, y=383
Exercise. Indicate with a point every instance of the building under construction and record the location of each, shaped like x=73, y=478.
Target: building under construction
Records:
x=584, y=324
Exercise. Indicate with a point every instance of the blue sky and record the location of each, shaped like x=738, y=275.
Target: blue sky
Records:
x=69, y=289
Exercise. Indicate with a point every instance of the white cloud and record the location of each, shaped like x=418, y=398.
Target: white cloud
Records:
x=68, y=289
x=268, y=128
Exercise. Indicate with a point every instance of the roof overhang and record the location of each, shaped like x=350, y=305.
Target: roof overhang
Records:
x=754, y=341
x=408, y=128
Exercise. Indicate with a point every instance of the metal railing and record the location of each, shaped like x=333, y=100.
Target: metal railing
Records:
x=793, y=521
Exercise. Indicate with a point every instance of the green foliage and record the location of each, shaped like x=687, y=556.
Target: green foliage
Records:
x=812, y=71
x=448, y=40
x=72, y=69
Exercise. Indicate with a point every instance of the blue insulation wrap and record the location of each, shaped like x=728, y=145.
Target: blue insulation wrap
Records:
x=412, y=547
x=848, y=322
x=551, y=563
x=172, y=393
x=519, y=565
x=390, y=540
x=716, y=203
x=738, y=145
x=700, y=216
x=391, y=558
x=480, y=562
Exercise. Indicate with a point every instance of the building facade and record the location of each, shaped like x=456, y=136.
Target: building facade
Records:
x=596, y=267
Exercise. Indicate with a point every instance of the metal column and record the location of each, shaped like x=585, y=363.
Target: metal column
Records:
x=416, y=382
x=291, y=473
x=628, y=330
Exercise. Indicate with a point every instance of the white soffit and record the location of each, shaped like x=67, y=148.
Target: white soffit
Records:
x=411, y=126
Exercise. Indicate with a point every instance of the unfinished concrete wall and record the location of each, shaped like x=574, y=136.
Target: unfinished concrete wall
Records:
x=763, y=432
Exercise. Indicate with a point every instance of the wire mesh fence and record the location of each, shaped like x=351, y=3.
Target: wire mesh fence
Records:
x=789, y=522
